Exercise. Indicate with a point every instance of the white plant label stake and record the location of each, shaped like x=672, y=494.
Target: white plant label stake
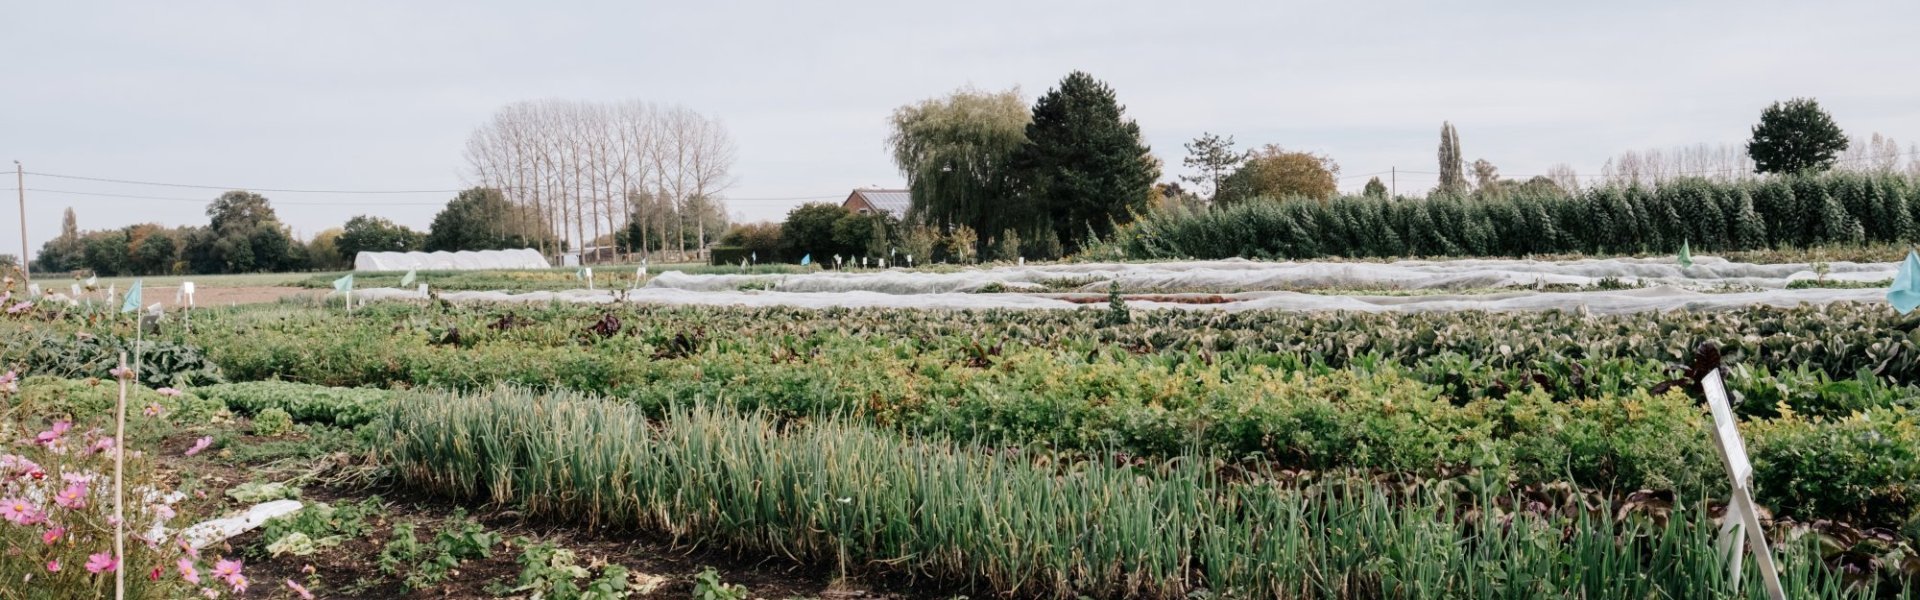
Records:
x=186, y=287
x=1741, y=514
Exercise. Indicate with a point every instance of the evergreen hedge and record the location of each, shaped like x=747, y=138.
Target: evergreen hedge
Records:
x=1777, y=212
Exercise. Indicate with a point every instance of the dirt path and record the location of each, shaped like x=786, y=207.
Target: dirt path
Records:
x=224, y=296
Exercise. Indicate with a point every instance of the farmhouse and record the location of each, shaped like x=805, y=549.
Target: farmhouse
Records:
x=892, y=203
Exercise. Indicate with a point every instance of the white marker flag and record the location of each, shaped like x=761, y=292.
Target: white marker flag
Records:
x=1742, y=518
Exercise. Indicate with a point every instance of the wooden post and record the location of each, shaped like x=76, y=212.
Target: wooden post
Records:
x=119, y=481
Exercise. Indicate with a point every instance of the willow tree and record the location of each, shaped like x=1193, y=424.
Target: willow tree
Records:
x=956, y=153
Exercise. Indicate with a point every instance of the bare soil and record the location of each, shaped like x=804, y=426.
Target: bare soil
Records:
x=207, y=296
x=350, y=570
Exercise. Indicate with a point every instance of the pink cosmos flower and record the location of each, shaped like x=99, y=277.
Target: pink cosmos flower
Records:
x=102, y=562
x=10, y=382
x=187, y=549
x=168, y=392
x=162, y=512
x=53, y=566
x=19, y=308
x=53, y=535
x=12, y=465
x=187, y=571
x=73, y=498
x=210, y=593
x=226, y=569
x=154, y=575
x=239, y=583
x=59, y=428
x=16, y=510
x=102, y=445
x=154, y=409
x=121, y=372
x=200, y=444
x=299, y=589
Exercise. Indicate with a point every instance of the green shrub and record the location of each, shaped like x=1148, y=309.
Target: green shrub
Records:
x=1864, y=468
x=85, y=399
x=82, y=356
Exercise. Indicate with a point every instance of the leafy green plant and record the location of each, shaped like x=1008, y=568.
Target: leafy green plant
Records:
x=402, y=550
x=321, y=524
x=708, y=586
x=305, y=403
x=272, y=422
x=53, y=397
x=256, y=492
x=463, y=539
x=548, y=571
x=80, y=355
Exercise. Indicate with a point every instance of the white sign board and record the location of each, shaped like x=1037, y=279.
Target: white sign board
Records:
x=1742, y=516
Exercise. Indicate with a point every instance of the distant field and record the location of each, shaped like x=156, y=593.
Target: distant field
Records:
x=533, y=280
x=199, y=281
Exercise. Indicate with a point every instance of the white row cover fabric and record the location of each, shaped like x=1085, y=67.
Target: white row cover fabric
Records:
x=1234, y=275
x=1598, y=302
x=470, y=260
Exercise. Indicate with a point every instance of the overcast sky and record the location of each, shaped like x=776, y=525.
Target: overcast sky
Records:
x=382, y=95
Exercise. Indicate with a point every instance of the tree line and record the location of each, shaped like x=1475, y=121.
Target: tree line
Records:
x=990, y=178
x=244, y=235
x=1788, y=211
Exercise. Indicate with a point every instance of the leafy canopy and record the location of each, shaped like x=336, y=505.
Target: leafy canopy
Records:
x=1274, y=172
x=1795, y=137
x=955, y=153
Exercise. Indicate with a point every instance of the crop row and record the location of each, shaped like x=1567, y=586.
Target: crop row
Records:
x=833, y=491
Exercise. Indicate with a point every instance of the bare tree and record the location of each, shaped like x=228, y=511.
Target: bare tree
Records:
x=1564, y=176
x=582, y=172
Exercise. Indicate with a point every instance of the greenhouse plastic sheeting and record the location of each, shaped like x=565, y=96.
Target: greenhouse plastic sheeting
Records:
x=1707, y=273
x=1597, y=302
x=471, y=260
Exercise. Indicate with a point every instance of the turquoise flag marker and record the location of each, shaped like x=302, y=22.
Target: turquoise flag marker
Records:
x=407, y=280
x=1686, y=256
x=1905, y=293
x=806, y=260
x=344, y=285
x=132, y=302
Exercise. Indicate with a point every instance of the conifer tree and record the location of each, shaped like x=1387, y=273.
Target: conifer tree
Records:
x=1084, y=162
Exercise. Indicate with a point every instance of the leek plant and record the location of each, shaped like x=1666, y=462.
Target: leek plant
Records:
x=836, y=491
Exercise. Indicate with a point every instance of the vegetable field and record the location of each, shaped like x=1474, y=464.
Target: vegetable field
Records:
x=1115, y=450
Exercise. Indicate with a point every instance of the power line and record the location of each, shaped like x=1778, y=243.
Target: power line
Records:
x=204, y=200
x=235, y=187
x=1894, y=156
x=574, y=189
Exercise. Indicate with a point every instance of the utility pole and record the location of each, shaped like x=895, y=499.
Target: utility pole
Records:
x=1395, y=178
x=20, y=184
